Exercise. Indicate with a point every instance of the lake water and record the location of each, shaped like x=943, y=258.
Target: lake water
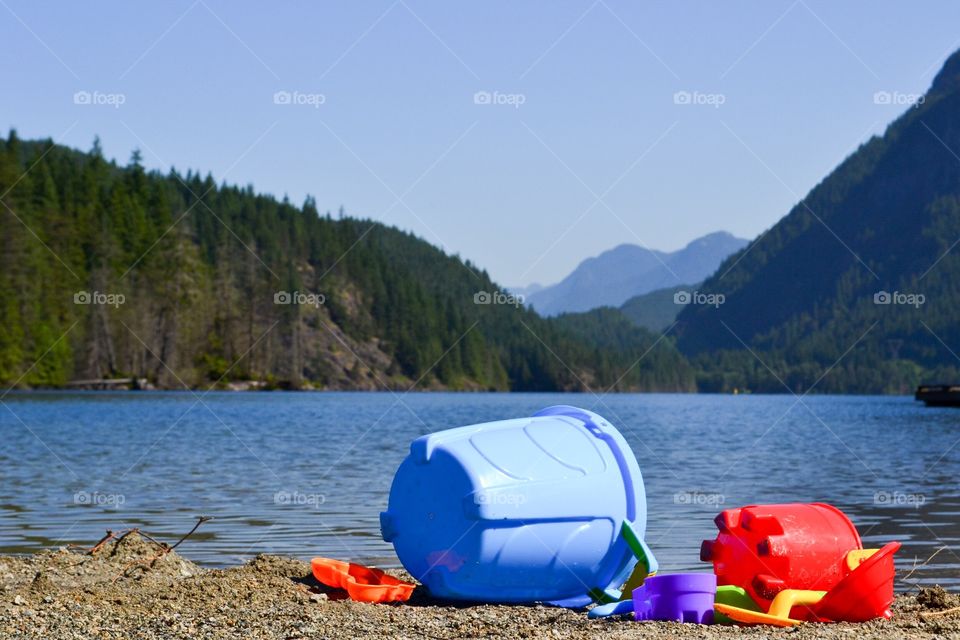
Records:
x=307, y=474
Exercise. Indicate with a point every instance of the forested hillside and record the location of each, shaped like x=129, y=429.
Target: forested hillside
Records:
x=858, y=288
x=109, y=271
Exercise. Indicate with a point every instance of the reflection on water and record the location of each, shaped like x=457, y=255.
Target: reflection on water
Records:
x=308, y=473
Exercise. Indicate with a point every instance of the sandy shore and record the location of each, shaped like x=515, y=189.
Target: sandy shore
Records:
x=115, y=592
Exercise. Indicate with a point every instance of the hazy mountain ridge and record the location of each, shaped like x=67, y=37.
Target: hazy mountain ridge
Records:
x=628, y=270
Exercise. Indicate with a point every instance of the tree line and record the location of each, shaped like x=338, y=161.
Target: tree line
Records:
x=110, y=271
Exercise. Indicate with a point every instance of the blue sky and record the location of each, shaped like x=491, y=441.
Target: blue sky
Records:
x=525, y=136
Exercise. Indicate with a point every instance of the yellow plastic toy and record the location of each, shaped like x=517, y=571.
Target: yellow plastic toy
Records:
x=779, y=613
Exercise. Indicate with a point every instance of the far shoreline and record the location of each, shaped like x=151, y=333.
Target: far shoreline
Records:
x=439, y=391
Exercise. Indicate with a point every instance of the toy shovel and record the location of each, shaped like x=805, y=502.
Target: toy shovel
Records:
x=621, y=603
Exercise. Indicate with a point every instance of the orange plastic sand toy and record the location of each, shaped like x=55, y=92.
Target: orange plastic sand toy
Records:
x=361, y=583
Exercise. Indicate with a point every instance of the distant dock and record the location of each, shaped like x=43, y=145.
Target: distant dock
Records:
x=941, y=395
x=109, y=383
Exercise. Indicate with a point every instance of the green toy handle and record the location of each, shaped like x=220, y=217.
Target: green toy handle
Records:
x=610, y=603
x=639, y=547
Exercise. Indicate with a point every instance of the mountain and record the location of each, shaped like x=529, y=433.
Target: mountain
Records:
x=628, y=270
x=656, y=310
x=858, y=287
x=111, y=271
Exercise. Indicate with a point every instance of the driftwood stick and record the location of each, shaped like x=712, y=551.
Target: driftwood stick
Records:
x=919, y=566
x=937, y=614
x=103, y=541
x=147, y=536
x=165, y=548
x=127, y=532
x=200, y=521
x=111, y=535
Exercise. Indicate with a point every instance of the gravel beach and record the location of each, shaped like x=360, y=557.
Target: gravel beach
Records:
x=124, y=590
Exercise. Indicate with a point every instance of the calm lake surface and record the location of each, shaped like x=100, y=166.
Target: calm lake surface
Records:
x=307, y=474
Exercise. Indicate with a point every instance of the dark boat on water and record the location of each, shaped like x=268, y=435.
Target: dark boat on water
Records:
x=939, y=395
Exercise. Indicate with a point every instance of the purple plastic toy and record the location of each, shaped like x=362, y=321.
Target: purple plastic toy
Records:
x=681, y=597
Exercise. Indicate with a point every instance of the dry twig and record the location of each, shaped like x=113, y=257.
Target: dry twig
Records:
x=937, y=614
x=916, y=566
x=146, y=565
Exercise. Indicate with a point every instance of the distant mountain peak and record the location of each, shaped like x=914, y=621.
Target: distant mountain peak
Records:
x=713, y=235
x=948, y=78
x=710, y=238
x=627, y=270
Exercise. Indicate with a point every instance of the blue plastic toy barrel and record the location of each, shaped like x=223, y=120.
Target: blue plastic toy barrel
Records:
x=525, y=510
